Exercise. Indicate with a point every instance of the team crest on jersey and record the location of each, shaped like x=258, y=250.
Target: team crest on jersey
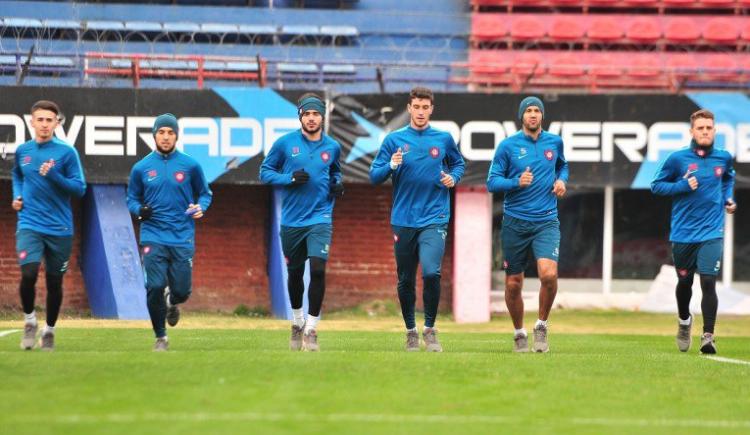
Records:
x=548, y=154
x=682, y=272
x=22, y=255
x=325, y=156
x=701, y=152
x=295, y=151
x=718, y=171
x=26, y=161
x=152, y=174
x=434, y=152
x=693, y=167
x=146, y=250
x=179, y=176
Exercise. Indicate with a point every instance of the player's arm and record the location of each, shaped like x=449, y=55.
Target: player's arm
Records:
x=201, y=192
x=667, y=182
x=69, y=176
x=380, y=169
x=727, y=186
x=335, y=170
x=455, y=161
x=561, y=165
x=135, y=192
x=497, y=179
x=17, y=176
x=270, y=170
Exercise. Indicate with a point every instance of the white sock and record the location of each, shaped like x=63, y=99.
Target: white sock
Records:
x=49, y=330
x=298, y=317
x=426, y=328
x=312, y=323
x=521, y=331
x=414, y=329
x=540, y=322
x=686, y=321
x=30, y=318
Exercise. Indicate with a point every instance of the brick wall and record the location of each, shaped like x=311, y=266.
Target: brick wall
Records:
x=231, y=245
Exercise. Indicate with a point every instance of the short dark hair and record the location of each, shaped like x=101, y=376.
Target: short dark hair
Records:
x=703, y=113
x=308, y=95
x=46, y=105
x=421, y=92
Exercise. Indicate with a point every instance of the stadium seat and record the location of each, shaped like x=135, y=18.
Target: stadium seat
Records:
x=682, y=30
x=143, y=26
x=643, y=3
x=605, y=66
x=644, y=29
x=678, y=3
x=682, y=65
x=488, y=27
x=566, y=29
x=62, y=24
x=566, y=65
x=528, y=64
x=527, y=28
x=604, y=29
x=715, y=3
x=488, y=62
x=721, y=31
x=644, y=66
x=745, y=33
x=721, y=67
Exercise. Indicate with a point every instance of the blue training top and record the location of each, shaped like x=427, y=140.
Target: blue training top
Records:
x=419, y=198
x=46, y=199
x=546, y=160
x=168, y=184
x=310, y=203
x=697, y=215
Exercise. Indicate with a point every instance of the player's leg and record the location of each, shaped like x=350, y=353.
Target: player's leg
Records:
x=407, y=260
x=546, y=247
x=318, y=247
x=431, y=248
x=29, y=250
x=179, y=281
x=294, y=246
x=684, y=256
x=56, y=256
x=709, y=264
x=516, y=241
x=155, y=264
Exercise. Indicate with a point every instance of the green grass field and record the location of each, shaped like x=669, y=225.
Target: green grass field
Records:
x=608, y=372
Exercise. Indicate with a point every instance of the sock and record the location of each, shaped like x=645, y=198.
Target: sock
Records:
x=311, y=324
x=412, y=330
x=521, y=331
x=540, y=322
x=686, y=321
x=298, y=317
x=426, y=328
x=30, y=318
x=48, y=330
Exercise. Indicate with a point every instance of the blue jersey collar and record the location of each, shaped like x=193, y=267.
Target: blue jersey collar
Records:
x=420, y=132
x=701, y=151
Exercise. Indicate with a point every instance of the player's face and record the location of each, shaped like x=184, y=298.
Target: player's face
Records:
x=532, y=118
x=703, y=131
x=420, y=110
x=44, y=123
x=165, y=140
x=312, y=121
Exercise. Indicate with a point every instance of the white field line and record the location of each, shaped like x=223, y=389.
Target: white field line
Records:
x=374, y=418
x=8, y=332
x=729, y=360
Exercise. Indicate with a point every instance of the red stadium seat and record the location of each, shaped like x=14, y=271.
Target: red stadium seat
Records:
x=715, y=3
x=566, y=65
x=678, y=3
x=682, y=30
x=605, y=66
x=604, y=29
x=488, y=62
x=721, y=31
x=721, y=67
x=682, y=65
x=643, y=3
x=528, y=64
x=644, y=29
x=488, y=27
x=526, y=28
x=566, y=2
x=645, y=66
x=745, y=34
x=566, y=29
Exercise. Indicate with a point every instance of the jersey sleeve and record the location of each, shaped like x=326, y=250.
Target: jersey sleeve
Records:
x=667, y=181
x=270, y=170
x=561, y=165
x=69, y=177
x=497, y=179
x=201, y=191
x=380, y=169
x=135, y=191
x=727, y=180
x=17, y=176
x=454, y=159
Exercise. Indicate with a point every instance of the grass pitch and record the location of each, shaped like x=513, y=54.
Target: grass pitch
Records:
x=607, y=372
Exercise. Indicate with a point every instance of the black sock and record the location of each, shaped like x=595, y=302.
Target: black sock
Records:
x=684, y=292
x=54, y=297
x=27, y=288
x=296, y=286
x=709, y=303
x=317, y=288
x=431, y=298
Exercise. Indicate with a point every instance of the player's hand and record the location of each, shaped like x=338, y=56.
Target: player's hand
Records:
x=336, y=189
x=144, y=213
x=194, y=211
x=397, y=159
x=17, y=204
x=300, y=177
x=46, y=166
x=692, y=181
x=559, y=188
x=730, y=206
x=447, y=180
x=526, y=178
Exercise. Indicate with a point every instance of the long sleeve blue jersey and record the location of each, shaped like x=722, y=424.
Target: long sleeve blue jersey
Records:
x=46, y=199
x=697, y=215
x=310, y=203
x=419, y=198
x=546, y=160
x=168, y=184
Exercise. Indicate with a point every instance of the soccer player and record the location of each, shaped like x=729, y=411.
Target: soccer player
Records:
x=46, y=174
x=700, y=180
x=168, y=192
x=530, y=168
x=424, y=163
x=305, y=163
